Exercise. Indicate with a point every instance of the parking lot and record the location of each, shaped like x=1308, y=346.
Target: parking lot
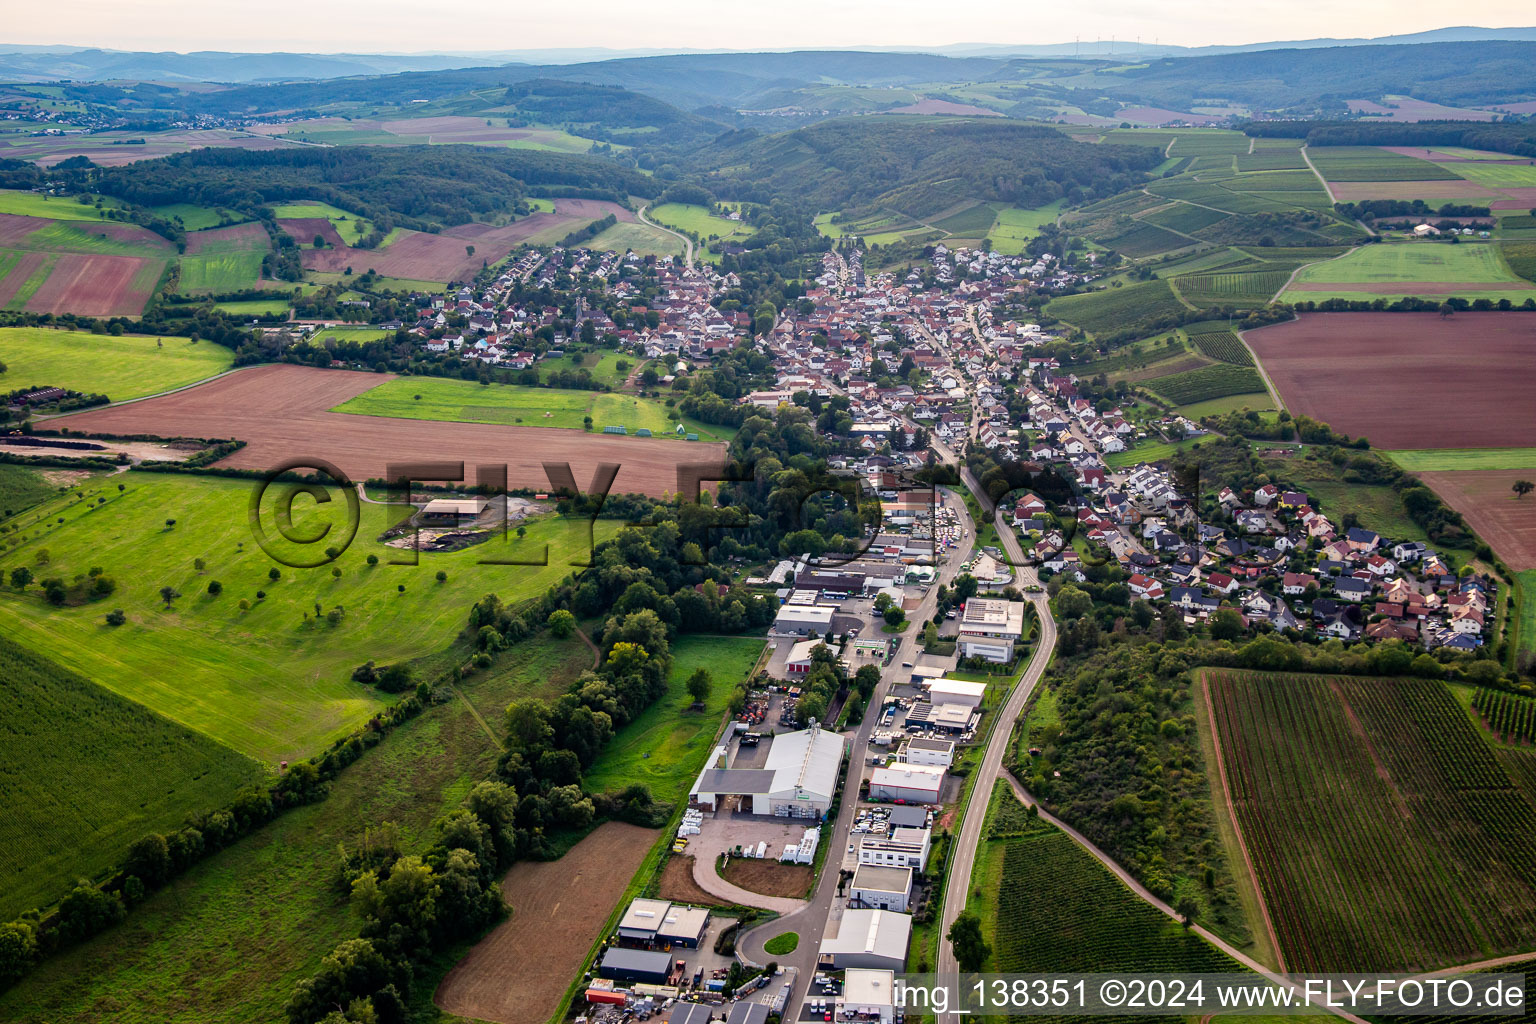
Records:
x=725, y=831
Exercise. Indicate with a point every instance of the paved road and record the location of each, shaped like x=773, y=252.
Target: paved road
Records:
x=812, y=921
x=963, y=857
x=687, y=242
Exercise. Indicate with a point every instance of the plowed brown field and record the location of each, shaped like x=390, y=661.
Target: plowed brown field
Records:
x=281, y=412
x=1408, y=380
x=517, y=974
x=96, y=285
x=1506, y=522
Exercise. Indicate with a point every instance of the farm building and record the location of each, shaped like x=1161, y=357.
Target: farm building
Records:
x=882, y=888
x=635, y=965
x=453, y=511
x=957, y=691
x=804, y=619
x=910, y=783
x=797, y=779
x=869, y=939
x=931, y=752
x=990, y=627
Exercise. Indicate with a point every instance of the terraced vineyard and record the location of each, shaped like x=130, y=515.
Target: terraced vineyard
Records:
x=1384, y=833
x=1509, y=716
x=1221, y=345
x=1206, y=383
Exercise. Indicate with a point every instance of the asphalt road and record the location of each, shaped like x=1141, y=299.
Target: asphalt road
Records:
x=812, y=921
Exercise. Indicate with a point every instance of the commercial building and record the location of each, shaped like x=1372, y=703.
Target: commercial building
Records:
x=683, y=926
x=690, y=1013
x=989, y=628
x=804, y=619
x=744, y=1012
x=903, y=848
x=835, y=585
x=957, y=691
x=644, y=965
x=955, y=718
x=908, y=817
x=868, y=995
x=869, y=939
x=880, y=888
x=940, y=753
x=660, y=923
x=641, y=920
x=797, y=780
x=909, y=783
x=798, y=661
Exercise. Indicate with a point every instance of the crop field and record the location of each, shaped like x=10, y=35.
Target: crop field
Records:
x=1184, y=217
x=349, y=227
x=1509, y=716
x=281, y=409
x=666, y=746
x=519, y=973
x=71, y=807
x=1273, y=159
x=1368, y=163
x=1208, y=142
x=226, y=942
x=21, y=488
x=1497, y=175
x=1259, y=401
x=972, y=222
x=96, y=285
x=1428, y=460
x=130, y=366
x=1412, y=361
x=1132, y=307
x=469, y=402
x=1049, y=906
x=232, y=271
x=1236, y=288
x=643, y=239
x=1384, y=833
x=271, y=680
x=1139, y=238
x=1412, y=268
x=1521, y=257
x=1223, y=346
x=1206, y=383
x=1485, y=498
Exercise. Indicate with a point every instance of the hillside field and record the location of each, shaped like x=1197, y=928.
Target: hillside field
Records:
x=273, y=682
x=469, y=402
x=1384, y=834
x=129, y=366
x=1427, y=269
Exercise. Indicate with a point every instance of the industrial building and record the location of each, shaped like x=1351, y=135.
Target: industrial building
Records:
x=908, y=817
x=989, y=628
x=644, y=965
x=660, y=923
x=940, y=753
x=690, y=1013
x=797, y=779
x=804, y=619
x=743, y=1012
x=944, y=717
x=868, y=995
x=879, y=887
x=903, y=848
x=869, y=939
x=957, y=691
x=909, y=783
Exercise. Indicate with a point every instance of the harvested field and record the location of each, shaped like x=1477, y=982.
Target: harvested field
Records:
x=677, y=884
x=97, y=285
x=1355, y=191
x=769, y=877
x=1384, y=375
x=518, y=973
x=237, y=236
x=305, y=229
x=21, y=271
x=1161, y=116
x=592, y=209
x=932, y=106
x=281, y=412
x=14, y=227
x=1484, y=497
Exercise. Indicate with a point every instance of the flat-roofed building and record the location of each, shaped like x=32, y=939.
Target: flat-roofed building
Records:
x=644, y=965
x=453, y=511
x=868, y=995
x=957, y=691
x=940, y=753
x=881, y=888
x=910, y=783
x=989, y=628
x=804, y=619
x=797, y=779
x=683, y=926
x=869, y=939
x=903, y=848
x=641, y=920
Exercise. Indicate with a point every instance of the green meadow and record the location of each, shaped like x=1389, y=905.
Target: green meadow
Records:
x=1430, y=460
x=35, y=204
x=435, y=398
x=1016, y=226
x=666, y=746
x=271, y=680
x=1407, y=264
x=643, y=239
x=194, y=217
x=130, y=366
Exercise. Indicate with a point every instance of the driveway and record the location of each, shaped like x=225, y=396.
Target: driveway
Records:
x=721, y=832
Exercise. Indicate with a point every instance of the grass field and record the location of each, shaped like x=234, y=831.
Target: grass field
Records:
x=467, y=402
x=698, y=220
x=1015, y=226
x=273, y=681
x=226, y=943
x=1397, y=268
x=1256, y=401
x=1112, y=310
x=604, y=366
x=1496, y=175
x=1147, y=451
x=194, y=217
x=71, y=807
x=641, y=238
x=255, y=307
x=1366, y=163
x=221, y=272
x=130, y=366
x=380, y=284
x=35, y=204
x=666, y=746
x=1429, y=460
x=349, y=226
x=1047, y=905
x=1385, y=834
x=21, y=488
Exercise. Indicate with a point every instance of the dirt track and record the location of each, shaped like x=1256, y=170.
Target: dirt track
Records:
x=517, y=974
x=281, y=412
x=1408, y=380
x=1507, y=523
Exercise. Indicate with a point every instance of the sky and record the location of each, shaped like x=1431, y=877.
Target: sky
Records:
x=410, y=26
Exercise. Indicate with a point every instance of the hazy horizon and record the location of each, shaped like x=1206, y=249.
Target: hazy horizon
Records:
x=484, y=26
